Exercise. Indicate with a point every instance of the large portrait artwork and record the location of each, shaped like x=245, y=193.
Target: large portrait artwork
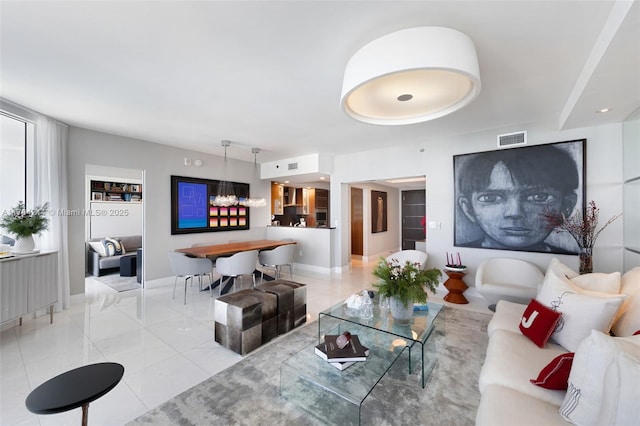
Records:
x=506, y=199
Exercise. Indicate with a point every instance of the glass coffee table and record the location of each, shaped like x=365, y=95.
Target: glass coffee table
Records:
x=417, y=332
x=336, y=396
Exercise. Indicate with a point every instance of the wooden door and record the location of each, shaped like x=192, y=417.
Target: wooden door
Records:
x=356, y=222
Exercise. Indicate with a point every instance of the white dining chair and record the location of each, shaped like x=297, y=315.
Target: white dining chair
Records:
x=187, y=267
x=238, y=265
x=277, y=258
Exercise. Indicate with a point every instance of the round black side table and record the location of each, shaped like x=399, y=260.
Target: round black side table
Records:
x=75, y=388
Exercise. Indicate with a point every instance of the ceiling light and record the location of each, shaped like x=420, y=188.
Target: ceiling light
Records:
x=603, y=110
x=411, y=76
x=408, y=180
x=226, y=196
x=254, y=202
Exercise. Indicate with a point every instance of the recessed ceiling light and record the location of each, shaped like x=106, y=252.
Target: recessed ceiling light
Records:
x=408, y=180
x=286, y=181
x=321, y=177
x=600, y=111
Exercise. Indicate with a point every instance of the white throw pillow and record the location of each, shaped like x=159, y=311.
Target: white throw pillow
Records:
x=98, y=247
x=628, y=320
x=598, y=281
x=603, y=383
x=582, y=310
x=560, y=269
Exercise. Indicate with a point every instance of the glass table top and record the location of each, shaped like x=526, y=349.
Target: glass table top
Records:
x=418, y=330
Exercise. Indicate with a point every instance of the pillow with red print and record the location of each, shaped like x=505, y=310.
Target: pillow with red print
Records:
x=538, y=322
x=555, y=375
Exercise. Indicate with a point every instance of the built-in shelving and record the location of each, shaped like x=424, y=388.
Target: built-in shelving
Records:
x=115, y=191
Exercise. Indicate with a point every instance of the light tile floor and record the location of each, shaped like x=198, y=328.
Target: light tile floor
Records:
x=165, y=346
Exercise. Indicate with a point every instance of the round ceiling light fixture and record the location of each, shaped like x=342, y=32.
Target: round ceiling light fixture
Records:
x=411, y=76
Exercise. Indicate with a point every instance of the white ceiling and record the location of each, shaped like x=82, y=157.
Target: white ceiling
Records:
x=268, y=74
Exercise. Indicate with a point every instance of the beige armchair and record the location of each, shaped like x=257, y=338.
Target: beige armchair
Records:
x=509, y=279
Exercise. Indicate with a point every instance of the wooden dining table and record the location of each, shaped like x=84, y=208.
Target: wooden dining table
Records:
x=227, y=249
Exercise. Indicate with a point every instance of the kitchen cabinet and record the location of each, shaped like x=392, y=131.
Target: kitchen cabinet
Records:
x=321, y=199
x=277, y=199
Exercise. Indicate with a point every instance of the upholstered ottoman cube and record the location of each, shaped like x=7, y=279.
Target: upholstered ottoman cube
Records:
x=238, y=322
x=269, y=320
x=292, y=303
x=128, y=266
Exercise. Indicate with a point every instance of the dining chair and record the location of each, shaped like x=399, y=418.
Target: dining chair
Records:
x=241, y=263
x=277, y=258
x=187, y=267
x=210, y=273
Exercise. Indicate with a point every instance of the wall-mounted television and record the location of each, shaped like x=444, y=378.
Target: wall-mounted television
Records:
x=192, y=208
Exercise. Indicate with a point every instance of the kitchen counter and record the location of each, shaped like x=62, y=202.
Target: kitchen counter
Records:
x=314, y=251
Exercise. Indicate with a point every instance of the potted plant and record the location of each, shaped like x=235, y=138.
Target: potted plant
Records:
x=404, y=285
x=24, y=223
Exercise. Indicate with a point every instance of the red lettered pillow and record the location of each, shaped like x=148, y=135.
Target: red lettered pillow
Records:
x=555, y=375
x=538, y=322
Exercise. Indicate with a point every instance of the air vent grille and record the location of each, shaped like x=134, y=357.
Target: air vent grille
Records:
x=511, y=139
x=293, y=166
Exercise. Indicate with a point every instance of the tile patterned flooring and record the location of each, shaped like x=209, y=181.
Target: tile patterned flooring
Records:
x=166, y=347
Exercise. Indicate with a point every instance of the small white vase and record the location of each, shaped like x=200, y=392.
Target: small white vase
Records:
x=24, y=245
x=400, y=312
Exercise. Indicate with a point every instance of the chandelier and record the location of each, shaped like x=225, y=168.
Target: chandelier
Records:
x=226, y=196
x=254, y=202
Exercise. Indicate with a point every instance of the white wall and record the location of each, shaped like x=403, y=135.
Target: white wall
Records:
x=631, y=218
x=603, y=178
x=158, y=162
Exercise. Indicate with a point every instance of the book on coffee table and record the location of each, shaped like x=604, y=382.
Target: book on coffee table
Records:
x=320, y=351
x=354, y=351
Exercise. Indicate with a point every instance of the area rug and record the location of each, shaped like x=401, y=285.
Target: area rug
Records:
x=248, y=393
x=118, y=283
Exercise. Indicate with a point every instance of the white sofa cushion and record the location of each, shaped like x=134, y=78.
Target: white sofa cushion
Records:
x=598, y=281
x=513, y=360
x=507, y=317
x=501, y=406
x=627, y=321
x=582, y=310
x=604, y=380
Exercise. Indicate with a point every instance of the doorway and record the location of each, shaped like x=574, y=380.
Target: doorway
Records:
x=357, y=236
x=413, y=212
x=116, y=195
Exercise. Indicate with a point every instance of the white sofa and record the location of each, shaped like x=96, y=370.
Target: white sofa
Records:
x=512, y=359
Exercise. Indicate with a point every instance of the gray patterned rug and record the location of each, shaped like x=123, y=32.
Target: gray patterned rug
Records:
x=248, y=393
x=118, y=283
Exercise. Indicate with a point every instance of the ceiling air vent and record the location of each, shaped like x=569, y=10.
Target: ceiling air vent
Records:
x=511, y=139
x=293, y=166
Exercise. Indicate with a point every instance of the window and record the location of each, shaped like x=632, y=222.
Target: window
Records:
x=13, y=160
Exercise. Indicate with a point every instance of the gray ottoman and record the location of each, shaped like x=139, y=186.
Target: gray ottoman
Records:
x=292, y=303
x=238, y=322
